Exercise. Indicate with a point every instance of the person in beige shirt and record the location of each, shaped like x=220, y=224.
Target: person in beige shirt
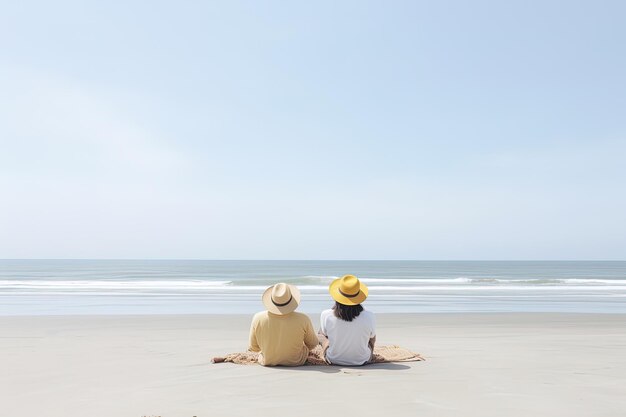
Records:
x=282, y=335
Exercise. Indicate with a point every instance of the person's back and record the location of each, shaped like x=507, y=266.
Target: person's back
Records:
x=348, y=340
x=281, y=335
x=282, y=339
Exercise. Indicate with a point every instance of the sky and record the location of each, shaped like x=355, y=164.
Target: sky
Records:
x=313, y=130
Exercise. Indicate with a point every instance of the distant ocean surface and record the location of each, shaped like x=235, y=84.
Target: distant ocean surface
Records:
x=47, y=287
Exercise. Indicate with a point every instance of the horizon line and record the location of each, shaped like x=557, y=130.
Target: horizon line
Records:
x=312, y=260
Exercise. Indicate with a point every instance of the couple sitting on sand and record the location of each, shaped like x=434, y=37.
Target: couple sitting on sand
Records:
x=283, y=337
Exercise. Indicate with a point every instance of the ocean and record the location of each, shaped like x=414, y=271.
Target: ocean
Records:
x=65, y=287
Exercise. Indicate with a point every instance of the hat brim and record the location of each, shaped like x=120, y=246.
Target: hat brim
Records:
x=333, y=289
x=281, y=310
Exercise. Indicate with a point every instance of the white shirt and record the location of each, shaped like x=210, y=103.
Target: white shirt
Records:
x=348, y=339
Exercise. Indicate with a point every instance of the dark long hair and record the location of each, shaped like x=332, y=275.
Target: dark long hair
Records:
x=347, y=313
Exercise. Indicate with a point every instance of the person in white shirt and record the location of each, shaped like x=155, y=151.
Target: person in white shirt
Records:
x=347, y=331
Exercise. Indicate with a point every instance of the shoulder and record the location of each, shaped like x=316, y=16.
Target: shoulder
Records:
x=300, y=316
x=261, y=315
x=368, y=315
x=327, y=314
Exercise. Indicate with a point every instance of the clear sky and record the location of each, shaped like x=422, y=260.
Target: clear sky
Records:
x=313, y=130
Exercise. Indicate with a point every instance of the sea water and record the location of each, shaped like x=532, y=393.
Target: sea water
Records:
x=46, y=287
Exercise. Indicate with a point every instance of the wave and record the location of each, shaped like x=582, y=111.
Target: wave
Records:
x=314, y=279
x=328, y=278
x=108, y=284
x=314, y=284
x=488, y=280
x=224, y=288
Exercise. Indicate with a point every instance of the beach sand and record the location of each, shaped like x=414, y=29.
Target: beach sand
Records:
x=477, y=365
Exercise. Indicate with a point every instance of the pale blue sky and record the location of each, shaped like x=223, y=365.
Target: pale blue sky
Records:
x=313, y=130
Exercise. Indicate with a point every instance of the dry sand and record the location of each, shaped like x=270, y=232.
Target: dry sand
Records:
x=501, y=365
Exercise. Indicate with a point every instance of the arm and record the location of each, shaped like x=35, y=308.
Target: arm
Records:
x=372, y=342
x=322, y=337
x=323, y=325
x=253, y=344
x=310, y=338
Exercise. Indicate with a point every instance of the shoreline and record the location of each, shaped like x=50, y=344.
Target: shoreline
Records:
x=312, y=315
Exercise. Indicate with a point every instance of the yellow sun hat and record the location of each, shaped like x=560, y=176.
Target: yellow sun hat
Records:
x=348, y=290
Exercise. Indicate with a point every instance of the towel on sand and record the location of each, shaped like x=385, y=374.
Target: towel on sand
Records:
x=381, y=354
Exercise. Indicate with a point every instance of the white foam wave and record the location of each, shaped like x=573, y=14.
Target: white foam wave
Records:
x=225, y=287
x=104, y=284
x=316, y=284
x=487, y=280
x=328, y=278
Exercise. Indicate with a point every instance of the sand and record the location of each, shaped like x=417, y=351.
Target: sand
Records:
x=501, y=365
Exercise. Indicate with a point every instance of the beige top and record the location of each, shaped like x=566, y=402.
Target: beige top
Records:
x=282, y=339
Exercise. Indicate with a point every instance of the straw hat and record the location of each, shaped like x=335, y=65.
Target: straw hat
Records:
x=281, y=298
x=348, y=290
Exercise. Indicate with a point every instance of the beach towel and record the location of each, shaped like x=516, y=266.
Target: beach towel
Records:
x=391, y=353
